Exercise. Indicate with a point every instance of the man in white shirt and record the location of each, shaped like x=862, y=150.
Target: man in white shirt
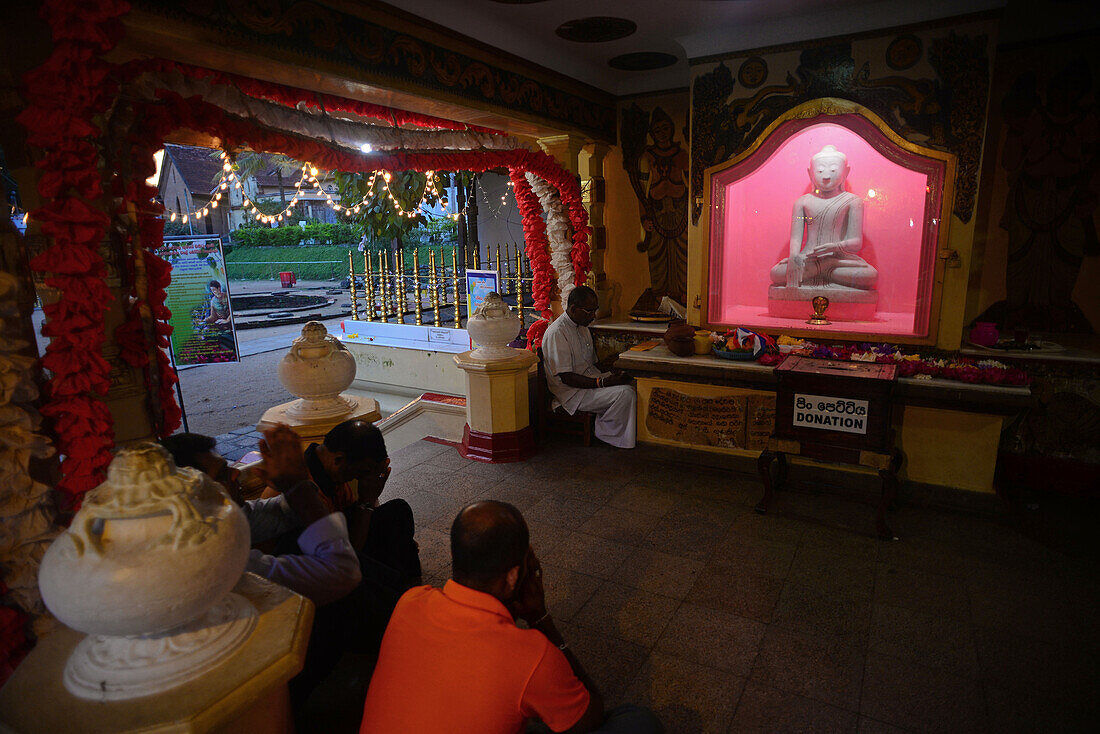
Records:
x=575, y=380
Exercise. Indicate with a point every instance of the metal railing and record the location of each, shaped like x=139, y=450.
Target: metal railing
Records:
x=387, y=286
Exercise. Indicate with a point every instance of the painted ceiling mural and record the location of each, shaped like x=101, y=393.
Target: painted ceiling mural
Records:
x=732, y=105
x=297, y=27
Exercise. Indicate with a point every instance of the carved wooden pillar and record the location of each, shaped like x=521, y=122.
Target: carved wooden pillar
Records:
x=595, y=196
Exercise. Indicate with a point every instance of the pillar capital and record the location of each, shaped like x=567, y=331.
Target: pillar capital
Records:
x=566, y=148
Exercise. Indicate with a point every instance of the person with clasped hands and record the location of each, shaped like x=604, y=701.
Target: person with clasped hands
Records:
x=454, y=660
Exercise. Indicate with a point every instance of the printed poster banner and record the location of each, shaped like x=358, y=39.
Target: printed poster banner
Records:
x=479, y=283
x=198, y=296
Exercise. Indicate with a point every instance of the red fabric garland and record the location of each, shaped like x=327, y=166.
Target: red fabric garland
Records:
x=65, y=94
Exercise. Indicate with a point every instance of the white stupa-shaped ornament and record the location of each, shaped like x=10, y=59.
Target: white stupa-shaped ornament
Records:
x=492, y=327
x=316, y=370
x=146, y=569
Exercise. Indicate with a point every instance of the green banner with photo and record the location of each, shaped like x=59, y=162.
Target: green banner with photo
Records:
x=198, y=296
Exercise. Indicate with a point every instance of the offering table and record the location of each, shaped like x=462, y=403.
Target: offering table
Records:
x=948, y=431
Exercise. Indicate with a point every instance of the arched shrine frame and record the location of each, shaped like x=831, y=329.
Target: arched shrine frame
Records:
x=97, y=162
x=885, y=141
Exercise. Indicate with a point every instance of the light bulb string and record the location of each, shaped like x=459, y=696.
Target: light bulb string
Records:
x=309, y=175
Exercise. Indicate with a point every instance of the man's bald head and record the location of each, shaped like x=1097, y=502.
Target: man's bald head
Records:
x=487, y=540
x=582, y=295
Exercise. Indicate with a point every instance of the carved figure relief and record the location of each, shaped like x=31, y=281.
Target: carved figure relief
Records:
x=657, y=164
x=1051, y=153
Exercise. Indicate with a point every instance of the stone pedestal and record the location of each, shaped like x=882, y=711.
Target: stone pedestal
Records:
x=498, y=424
x=245, y=692
x=845, y=304
x=314, y=430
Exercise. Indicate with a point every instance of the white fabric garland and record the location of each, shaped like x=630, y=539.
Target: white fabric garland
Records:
x=26, y=516
x=558, y=232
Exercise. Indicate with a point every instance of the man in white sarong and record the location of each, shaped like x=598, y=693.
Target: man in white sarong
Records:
x=575, y=380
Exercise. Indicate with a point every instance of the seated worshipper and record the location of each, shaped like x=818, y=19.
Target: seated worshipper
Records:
x=355, y=450
x=326, y=568
x=576, y=381
x=454, y=660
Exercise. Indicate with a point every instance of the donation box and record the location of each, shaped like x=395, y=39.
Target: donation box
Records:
x=833, y=407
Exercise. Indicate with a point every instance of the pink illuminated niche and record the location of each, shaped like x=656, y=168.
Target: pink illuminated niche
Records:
x=751, y=213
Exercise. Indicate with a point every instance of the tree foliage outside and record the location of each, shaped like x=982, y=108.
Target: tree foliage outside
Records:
x=295, y=235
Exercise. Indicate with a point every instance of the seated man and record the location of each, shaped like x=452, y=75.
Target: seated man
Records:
x=355, y=450
x=576, y=381
x=454, y=660
x=326, y=568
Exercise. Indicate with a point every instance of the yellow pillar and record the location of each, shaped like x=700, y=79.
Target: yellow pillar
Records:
x=498, y=425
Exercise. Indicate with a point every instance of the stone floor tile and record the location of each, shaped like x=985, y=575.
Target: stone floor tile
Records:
x=1065, y=668
x=832, y=572
x=544, y=538
x=597, y=490
x=770, y=527
x=844, y=615
x=688, y=535
x=617, y=523
x=563, y=512
x=919, y=698
x=871, y=726
x=435, y=553
x=1026, y=712
x=644, y=499
x=462, y=487
x=932, y=640
x=420, y=477
x=234, y=453
x=567, y=591
x=659, y=573
x=588, y=554
x=415, y=453
x=923, y=554
x=743, y=594
x=1033, y=606
x=842, y=541
x=427, y=507
x=492, y=472
x=720, y=514
x=716, y=639
x=810, y=665
x=927, y=592
x=450, y=460
x=627, y=613
x=766, y=709
x=742, y=555
x=687, y=697
x=611, y=662
x=505, y=490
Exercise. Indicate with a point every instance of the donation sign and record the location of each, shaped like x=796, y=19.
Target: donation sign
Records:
x=198, y=296
x=830, y=414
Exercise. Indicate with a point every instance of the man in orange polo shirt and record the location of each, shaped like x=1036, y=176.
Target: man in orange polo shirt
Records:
x=453, y=659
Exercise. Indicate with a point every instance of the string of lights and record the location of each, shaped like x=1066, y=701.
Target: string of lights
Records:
x=309, y=176
x=494, y=213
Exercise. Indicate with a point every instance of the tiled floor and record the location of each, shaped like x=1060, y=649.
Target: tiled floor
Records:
x=675, y=594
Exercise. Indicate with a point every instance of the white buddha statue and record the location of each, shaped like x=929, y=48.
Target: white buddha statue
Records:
x=826, y=232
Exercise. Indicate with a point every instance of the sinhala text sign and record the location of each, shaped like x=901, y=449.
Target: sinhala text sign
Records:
x=830, y=414
x=198, y=296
